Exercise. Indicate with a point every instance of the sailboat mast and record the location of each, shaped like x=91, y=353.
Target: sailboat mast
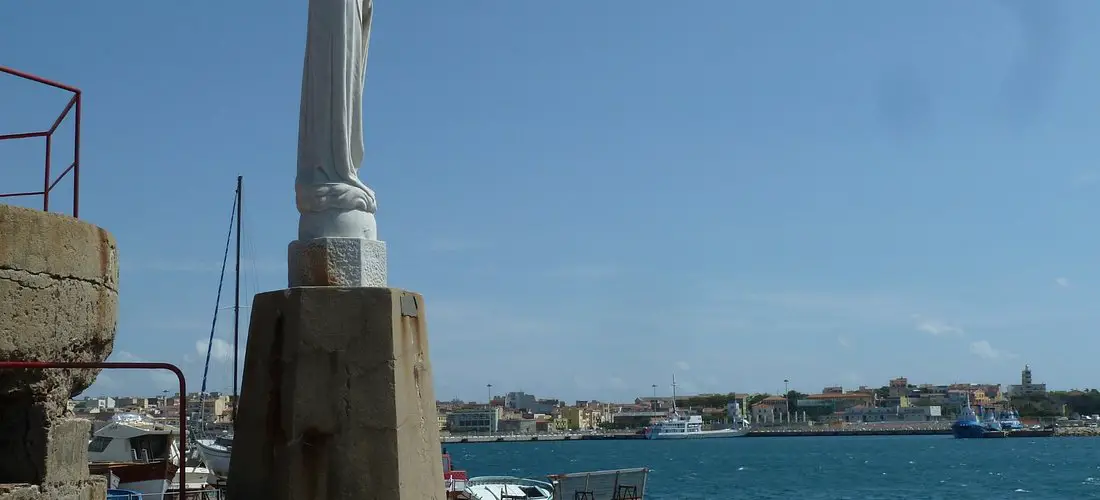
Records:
x=673, y=393
x=237, y=298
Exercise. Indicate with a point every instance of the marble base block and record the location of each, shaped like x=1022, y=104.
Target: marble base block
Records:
x=343, y=262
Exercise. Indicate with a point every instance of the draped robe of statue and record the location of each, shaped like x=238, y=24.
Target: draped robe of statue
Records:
x=330, y=127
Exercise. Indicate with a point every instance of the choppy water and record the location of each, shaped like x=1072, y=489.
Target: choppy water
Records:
x=888, y=467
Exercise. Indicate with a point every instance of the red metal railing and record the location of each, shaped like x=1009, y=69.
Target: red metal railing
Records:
x=43, y=365
x=48, y=182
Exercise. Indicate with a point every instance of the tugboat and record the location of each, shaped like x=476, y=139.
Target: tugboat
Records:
x=968, y=426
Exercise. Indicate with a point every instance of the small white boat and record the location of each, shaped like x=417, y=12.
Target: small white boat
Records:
x=215, y=454
x=617, y=484
x=507, y=488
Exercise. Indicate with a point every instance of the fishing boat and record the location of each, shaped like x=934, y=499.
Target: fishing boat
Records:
x=135, y=453
x=683, y=426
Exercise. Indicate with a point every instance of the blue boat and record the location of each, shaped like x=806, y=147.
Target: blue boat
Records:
x=1010, y=420
x=968, y=426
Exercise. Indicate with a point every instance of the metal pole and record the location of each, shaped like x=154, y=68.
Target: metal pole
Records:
x=76, y=159
x=237, y=300
x=47, y=177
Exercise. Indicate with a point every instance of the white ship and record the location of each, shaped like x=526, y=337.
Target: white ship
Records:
x=681, y=426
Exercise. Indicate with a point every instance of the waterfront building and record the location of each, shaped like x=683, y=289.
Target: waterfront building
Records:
x=474, y=420
x=1027, y=387
x=578, y=418
x=865, y=414
x=836, y=402
x=899, y=387
x=517, y=426
x=528, y=402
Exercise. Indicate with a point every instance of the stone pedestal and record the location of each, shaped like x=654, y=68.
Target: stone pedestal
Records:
x=337, y=399
x=347, y=262
x=58, y=302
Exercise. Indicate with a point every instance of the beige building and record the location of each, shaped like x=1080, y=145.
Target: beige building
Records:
x=579, y=418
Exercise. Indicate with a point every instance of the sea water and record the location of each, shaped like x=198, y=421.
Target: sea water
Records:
x=862, y=467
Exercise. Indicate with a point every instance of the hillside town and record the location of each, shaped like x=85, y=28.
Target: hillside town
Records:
x=522, y=413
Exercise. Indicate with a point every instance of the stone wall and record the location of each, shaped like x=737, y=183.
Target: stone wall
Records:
x=58, y=302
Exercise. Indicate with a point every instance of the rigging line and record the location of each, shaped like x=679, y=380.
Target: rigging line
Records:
x=218, y=301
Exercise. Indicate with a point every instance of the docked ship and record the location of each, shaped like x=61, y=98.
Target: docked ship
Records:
x=1010, y=420
x=682, y=426
x=968, y=426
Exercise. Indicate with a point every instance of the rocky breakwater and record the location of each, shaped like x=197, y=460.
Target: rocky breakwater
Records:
x=58, y=302
x=1077, y=431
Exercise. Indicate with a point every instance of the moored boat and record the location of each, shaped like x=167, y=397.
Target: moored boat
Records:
x=135, y=453
x=507, y=487
x=215, y=453
x=967, y=426
x=616, y=484
x=681, y=426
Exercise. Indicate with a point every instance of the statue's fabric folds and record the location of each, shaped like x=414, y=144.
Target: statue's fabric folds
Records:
x=330, y=127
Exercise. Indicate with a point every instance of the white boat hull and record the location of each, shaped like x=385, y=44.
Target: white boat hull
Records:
x=216, y=458
x=721, y=433
x=495, y=487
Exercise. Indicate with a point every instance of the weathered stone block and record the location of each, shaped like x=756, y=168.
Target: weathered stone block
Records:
x=58, y=300
x=337, y=399
x=88, y=489
x=38, y=448
x=346, y=262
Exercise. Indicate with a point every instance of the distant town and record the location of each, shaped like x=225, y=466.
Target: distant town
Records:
x=521, y=413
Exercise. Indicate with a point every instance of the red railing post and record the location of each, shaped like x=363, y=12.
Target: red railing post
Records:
x=76, y=160
x=48, y=181
x=109, y=365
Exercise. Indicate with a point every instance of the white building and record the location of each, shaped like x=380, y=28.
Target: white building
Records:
x=1026, y=387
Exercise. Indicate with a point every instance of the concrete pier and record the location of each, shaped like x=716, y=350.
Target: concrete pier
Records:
x=58, y=302
x=337, y=399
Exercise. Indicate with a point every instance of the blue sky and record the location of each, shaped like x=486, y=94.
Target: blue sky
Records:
x=595, y=195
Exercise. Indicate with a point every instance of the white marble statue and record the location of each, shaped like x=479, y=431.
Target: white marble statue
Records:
x=331, y=199
x=337, y=241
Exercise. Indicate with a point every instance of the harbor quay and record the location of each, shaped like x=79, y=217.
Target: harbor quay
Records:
x=939, y=429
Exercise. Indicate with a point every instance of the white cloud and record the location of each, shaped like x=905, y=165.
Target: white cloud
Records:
x=983, y=349
x=1062, y=282
x=220, y=351
x=123, y=356
x=844, y=342
x=936, y=327
x=683, y=366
